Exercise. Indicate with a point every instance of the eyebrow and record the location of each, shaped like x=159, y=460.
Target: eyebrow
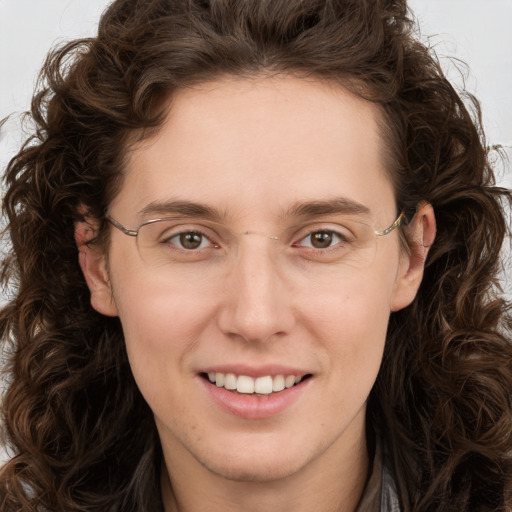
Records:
x=182, y=208
x=317, y=208
x=336, y=206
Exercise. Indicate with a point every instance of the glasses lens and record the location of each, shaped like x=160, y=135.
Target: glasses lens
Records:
x=348, y=243
x=345, y=243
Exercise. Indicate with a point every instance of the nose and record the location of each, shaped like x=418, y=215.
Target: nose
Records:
x=258, y=307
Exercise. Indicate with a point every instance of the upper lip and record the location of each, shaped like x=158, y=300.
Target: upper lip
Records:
x=256, y=371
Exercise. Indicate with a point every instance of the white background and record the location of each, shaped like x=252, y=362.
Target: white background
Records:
x=475, y=31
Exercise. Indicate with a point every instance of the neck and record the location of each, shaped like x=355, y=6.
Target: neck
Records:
x=333, y=482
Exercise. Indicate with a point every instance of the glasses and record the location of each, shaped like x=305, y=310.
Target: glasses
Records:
x=169, y=243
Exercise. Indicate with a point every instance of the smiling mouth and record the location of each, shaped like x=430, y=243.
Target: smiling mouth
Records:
x=246, y=385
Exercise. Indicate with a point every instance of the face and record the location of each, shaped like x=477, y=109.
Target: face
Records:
x=255, y=284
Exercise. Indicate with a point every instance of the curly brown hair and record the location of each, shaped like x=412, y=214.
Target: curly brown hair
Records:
x=81, y=435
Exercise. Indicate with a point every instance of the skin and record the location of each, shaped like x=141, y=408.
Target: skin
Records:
x=251, y=149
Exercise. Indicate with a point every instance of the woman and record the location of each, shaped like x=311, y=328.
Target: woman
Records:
x=285, y=294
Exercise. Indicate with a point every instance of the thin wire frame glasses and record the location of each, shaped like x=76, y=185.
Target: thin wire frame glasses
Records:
x=174, y=240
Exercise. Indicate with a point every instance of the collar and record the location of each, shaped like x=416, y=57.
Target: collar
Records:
x=380, y=493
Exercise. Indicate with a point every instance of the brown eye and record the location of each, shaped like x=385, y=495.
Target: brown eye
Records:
x=190, y=240
x=321, y=239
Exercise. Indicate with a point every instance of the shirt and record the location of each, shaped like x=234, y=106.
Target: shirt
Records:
x=380, y=493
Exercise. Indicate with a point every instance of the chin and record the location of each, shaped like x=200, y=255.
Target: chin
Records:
x=257, y=463
x=260, y=464
x=252, y=471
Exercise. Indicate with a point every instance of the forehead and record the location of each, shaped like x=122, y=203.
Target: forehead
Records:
x=260, y=144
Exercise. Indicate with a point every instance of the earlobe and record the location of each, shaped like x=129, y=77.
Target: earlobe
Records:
x=420, y=236
x=94, y=267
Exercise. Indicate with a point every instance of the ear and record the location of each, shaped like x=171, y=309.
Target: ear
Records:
x=93, y=263
x=420, y=237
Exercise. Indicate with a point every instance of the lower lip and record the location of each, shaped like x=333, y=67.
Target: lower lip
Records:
x=255, y=407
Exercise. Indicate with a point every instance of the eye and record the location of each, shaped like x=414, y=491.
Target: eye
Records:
x=322, y=239
x=189, y=240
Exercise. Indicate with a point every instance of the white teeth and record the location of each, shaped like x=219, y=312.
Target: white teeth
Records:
x=261, y=385
x=219, y=380
x=230, y=381
x=245, y=384
x=278, y=383
x=289, y=381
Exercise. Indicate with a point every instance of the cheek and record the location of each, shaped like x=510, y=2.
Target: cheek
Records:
x=161, y=325
x=349, y=323
x=156, y=313
x=359, y=302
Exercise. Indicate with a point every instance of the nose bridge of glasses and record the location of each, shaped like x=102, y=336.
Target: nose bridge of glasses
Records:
x=260, y=233
x=255, y=242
